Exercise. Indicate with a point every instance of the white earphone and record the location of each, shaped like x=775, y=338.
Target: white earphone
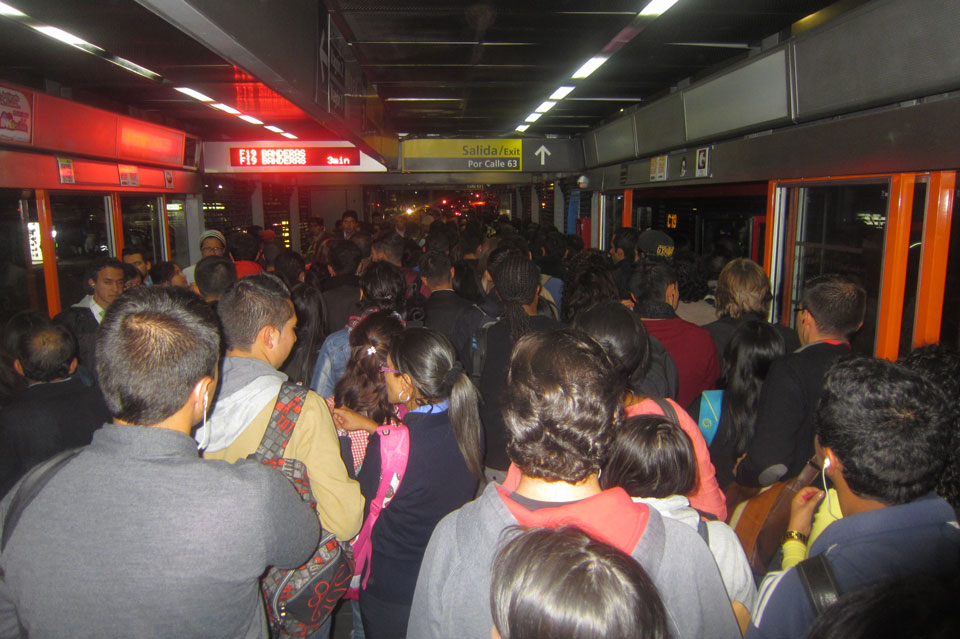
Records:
x=823, y=473
x=206, y=433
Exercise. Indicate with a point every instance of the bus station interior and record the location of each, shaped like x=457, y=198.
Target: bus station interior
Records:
x=810, y=135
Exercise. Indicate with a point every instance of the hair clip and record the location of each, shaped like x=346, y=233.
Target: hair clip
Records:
x=371, y=350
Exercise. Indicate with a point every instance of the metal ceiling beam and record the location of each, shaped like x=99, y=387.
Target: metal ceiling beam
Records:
x=218, y=26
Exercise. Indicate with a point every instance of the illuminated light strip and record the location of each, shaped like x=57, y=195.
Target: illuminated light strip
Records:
x=291, y=136
x=60, y=35
x=589, y=67
x=7, y=10
x=523, y=127
x=561, y=93
x=63, y=36
x=546, y=106
x=275, y=129
x=225, y=108
x=656, y=7
x=533, y=117
x=196, y=95
x=250, y=119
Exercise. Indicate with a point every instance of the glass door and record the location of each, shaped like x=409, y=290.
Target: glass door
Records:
x=888, y=233
x=22, y=282
x=81, y=235
x=143, y=225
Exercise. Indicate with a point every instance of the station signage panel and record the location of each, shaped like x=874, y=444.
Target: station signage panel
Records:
x=305, y=156
x=294, y=156
x=498, y=155
x=463, y=155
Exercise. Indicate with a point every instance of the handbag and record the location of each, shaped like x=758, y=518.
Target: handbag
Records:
x=299, y=600
x=761, y=520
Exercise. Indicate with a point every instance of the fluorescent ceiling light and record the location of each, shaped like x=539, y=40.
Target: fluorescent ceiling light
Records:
x=7, y=10
x=657, y=7
x=291, y=136
x=250, y=119
x=63, y=36
x=561, y=93
x=423, y=99
x=135, y=68
x=225, y=108
x=546, y=106
x=194, y=94
x=275, y=129
x=523, y=127
x=589, y=67
x=533, y=117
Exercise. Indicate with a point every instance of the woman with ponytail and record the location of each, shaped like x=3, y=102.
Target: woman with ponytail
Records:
x=443, y=467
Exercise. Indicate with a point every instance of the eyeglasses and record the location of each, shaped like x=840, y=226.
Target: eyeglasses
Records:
x=386, y=369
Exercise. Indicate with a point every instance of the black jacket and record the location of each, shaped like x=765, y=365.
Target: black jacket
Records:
x=83, y=325
x=491, y=387
x=341, y=295
x=786, y=419
x=723, y=329
x=45, y=419
x=443, y=312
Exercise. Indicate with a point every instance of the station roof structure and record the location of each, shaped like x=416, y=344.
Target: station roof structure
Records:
x=418, y=67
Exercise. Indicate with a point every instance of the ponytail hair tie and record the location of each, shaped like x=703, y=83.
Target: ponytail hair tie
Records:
x=453, y=374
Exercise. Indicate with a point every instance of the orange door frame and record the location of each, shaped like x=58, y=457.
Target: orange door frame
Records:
x=936, y=240
x=936, y=251
x=48, y=249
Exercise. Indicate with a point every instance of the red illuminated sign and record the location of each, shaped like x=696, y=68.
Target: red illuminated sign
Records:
x=294, y=156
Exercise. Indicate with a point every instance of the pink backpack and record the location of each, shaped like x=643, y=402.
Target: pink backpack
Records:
x=394, y=451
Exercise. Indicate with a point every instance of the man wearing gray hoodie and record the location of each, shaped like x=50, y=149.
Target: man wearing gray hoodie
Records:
x=258, y=321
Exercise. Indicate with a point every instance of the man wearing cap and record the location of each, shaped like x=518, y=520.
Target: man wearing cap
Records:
x=212, y=242
x=654, y=244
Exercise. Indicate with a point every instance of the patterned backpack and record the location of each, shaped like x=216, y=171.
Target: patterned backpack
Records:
x=299, y=600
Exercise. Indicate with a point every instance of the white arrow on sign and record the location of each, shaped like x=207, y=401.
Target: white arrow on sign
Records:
x=542, y=153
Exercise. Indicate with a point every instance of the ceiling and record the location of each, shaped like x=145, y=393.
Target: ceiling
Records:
x=481, y=67
x=437, y=67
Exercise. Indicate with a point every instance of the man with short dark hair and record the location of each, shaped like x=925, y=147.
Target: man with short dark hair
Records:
x=657, y=295
x=443, y=309
x=136, y=536
x=56, y=411
x=882, y=434
x=244, y=248
x=348, y=223
x=290, y=267
x=137, y=258
x=258, y=321
x=831, y=310
x=214, y=274
x=105, y=281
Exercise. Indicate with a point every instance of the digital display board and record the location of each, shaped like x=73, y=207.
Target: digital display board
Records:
x=294, y=156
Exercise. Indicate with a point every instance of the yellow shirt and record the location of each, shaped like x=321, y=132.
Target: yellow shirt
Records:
x=314, y=442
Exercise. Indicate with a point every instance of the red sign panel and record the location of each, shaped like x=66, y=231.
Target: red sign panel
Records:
x=294, y=156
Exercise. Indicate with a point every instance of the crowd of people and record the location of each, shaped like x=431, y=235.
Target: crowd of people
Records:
x=578, y=428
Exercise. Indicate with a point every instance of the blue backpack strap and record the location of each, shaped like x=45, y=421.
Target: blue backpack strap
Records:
x=711, y=405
